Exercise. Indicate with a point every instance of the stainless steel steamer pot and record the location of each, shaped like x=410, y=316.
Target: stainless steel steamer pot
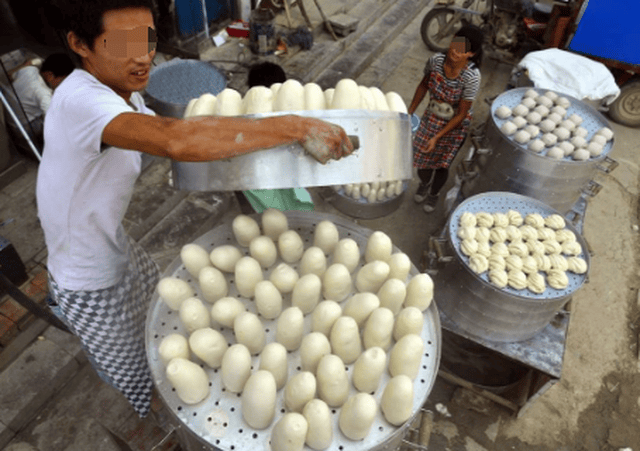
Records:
x=384, y=154
x=484, y=310
x=174, y=83
x=510, y=166
x=216, y=423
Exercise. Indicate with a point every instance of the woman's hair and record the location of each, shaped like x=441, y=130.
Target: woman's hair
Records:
x=475, y=37
x=84, y=17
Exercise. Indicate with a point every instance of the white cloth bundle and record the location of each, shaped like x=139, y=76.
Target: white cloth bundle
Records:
x=567, y=72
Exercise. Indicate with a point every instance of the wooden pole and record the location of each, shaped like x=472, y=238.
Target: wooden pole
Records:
x=303, y=11
x=286, y=10
x=326, y=21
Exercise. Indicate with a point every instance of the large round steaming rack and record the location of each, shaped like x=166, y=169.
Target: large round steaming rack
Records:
x=216, y=422
x=506, y=165
x=592, y=120
x=484, y=310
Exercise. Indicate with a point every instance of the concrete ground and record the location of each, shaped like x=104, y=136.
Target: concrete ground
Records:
x=52, y=400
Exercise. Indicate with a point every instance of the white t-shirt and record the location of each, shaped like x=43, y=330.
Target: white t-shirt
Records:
x=83, y=187
x=33, y=92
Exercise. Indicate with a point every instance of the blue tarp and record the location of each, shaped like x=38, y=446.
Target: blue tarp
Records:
x=609, y=29
x=190, y=18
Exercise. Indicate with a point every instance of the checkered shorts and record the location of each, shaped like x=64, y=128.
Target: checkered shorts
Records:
x=110, y=324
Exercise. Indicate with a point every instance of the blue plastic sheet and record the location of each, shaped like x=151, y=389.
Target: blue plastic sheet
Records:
x=609, y=29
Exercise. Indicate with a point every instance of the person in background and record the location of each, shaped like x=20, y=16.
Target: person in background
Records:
x=265, y=74
x=34, y=86
x=100, y=280
x=452, y=82
x=260, y=74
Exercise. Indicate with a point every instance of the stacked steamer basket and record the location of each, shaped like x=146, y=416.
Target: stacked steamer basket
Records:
x=383, y=154
x=173, y=84
x=531, y=139
x=480, y=305
x=369, y=200
x=376, y=122
x=217, y=423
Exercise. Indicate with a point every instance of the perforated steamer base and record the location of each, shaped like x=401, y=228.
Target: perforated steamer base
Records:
x=178, y=81
x=592, y=119
x=218, y=419
x=501, y=202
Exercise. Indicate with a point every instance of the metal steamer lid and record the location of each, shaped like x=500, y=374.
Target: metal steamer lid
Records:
x=501, y=202
x=592, y=120
x=218, y=419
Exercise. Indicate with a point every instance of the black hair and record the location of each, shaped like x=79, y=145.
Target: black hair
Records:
x=59, y=64
x=474, y=37
x=84, y=17
x=265, y=74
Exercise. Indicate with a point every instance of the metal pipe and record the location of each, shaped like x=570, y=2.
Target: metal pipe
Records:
x=206, y=20
x=20, y=127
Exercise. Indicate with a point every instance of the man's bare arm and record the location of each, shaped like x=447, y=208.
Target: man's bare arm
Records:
x=214, y=138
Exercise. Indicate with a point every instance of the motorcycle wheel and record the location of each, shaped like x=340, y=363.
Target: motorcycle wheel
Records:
x=434, y=21
x=625, y=109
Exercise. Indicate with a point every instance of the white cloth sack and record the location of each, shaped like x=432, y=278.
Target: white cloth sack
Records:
x=572, y=74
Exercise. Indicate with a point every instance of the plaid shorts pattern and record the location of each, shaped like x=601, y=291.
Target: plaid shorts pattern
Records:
x=110, y=324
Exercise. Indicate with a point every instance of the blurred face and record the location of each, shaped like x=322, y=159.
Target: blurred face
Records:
x=122, y=54
x=459, y=51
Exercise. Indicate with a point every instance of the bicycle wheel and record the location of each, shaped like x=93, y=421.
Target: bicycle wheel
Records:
x=434, y=23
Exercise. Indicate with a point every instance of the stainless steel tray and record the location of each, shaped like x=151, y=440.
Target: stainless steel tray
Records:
x=592, y=120
x=501, y=202
x=217, y=420
x=384, y=154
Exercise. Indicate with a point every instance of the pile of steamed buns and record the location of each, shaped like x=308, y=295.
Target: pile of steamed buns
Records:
x=541, y=122
x=530, y=252
x=294, y=96
x=363, y=309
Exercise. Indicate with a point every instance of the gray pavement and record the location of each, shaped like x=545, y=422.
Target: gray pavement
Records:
x=52, y=400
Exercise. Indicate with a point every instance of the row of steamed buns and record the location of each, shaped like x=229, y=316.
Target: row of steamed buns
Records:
x=294, y=96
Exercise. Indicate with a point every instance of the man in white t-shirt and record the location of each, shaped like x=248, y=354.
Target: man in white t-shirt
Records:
x=97, y=125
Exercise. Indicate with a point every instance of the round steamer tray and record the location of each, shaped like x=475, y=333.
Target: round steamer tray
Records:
x=218, y=419
x=592, y=120
x=178, y=81
x=501, y=202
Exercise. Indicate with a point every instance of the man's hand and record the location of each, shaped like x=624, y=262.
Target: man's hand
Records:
x=325, y=141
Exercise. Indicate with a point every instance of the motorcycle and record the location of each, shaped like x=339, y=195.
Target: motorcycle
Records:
x=512, y=28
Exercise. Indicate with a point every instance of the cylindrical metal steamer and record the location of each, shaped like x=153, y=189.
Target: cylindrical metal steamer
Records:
x=384, y=154
x=217, y=423
x=510, y=166
x=484, y=310
x=173, y=84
